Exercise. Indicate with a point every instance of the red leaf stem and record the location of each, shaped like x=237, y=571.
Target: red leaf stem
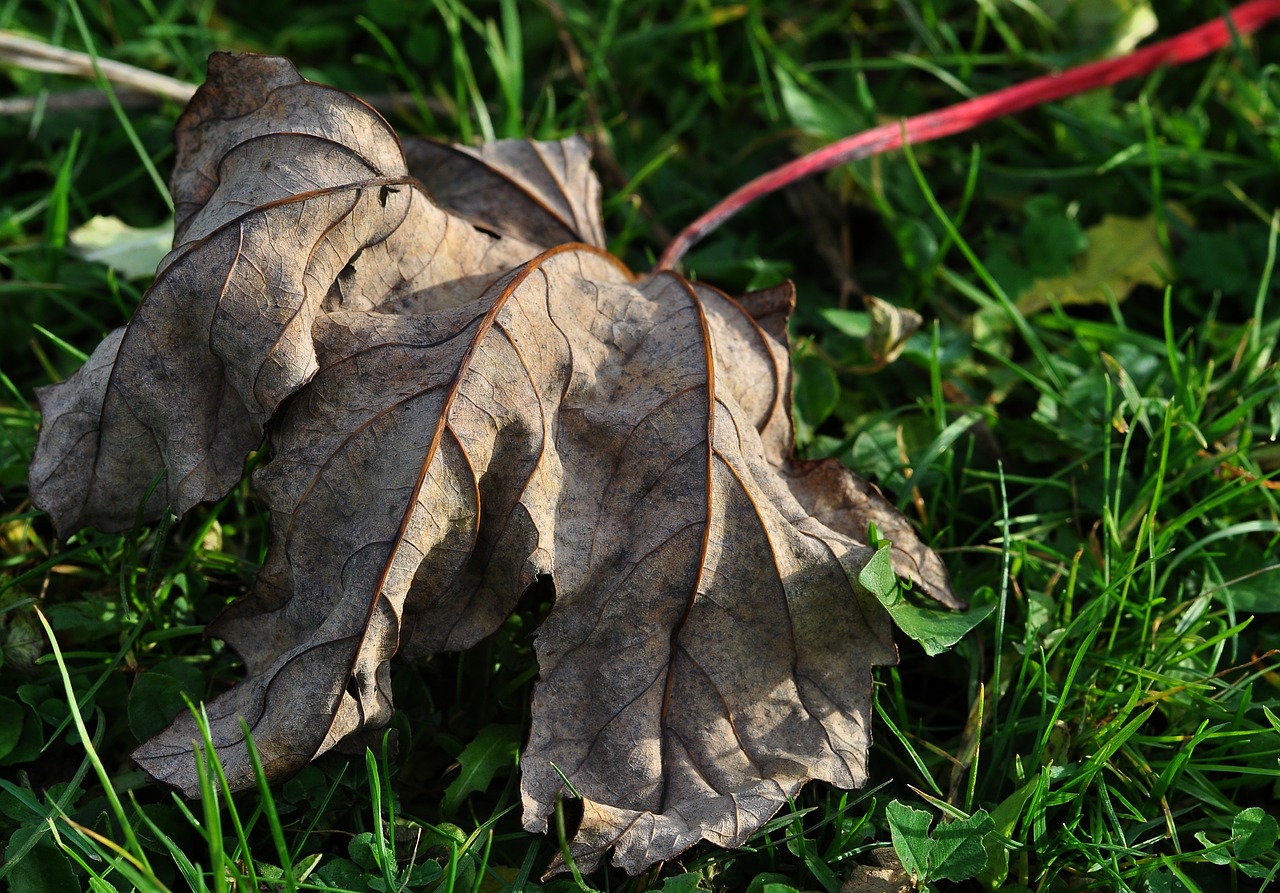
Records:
x=1186, y=47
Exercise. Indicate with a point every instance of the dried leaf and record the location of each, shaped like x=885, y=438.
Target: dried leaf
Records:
x=891, y=326
x=887, y=877
x=460, y=399
x=544, y=193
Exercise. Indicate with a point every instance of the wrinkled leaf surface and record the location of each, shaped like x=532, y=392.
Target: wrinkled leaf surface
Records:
x=461, y=393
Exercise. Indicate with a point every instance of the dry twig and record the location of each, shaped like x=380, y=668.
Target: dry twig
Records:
x=23, y=52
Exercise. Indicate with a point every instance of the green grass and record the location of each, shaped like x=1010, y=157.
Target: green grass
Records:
x=1100, y=467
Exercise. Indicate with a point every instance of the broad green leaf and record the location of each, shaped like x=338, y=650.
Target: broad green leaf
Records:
x=494, y=749
x=935, y=630
x=1256, y=870
x=909, y=830
x=879, y=579
x=41, y=698
x=1254, y=833
x=917, y=242
x=815, y=111
x=1123, y=252
x=271, y=874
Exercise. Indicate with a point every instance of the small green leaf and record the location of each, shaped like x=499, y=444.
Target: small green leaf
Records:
x=1219, y=262
x=1163, y=881
x=341, y=873
x=1254, y=833
x=1004, y=817
x=41, y=698
x=854, y=323
x=154, y=701
x=271, y=874
x=953, y=852
x=425, y=872
x=44, y=868
x=815, y=111
x=1050, y=238
x=1214, y=853
x=494, y=749
x=1114, y=26
x=878, y=578
x=816, y=393
x=909, y=830
x=682, y=883
x=768, y=880
x=958, y=853
x=935, y=629
x=11, y=714
x=30, y=743
x=361, y=849
x=1255, y=584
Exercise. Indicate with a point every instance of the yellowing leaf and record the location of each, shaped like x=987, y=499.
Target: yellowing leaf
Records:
x=1123, y=252
x=133, y=252
x=1119, y=25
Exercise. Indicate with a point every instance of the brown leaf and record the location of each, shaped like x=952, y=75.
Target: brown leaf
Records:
x=454, y=413
x=544, y=193
x=278, y=221
x=887, y=877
